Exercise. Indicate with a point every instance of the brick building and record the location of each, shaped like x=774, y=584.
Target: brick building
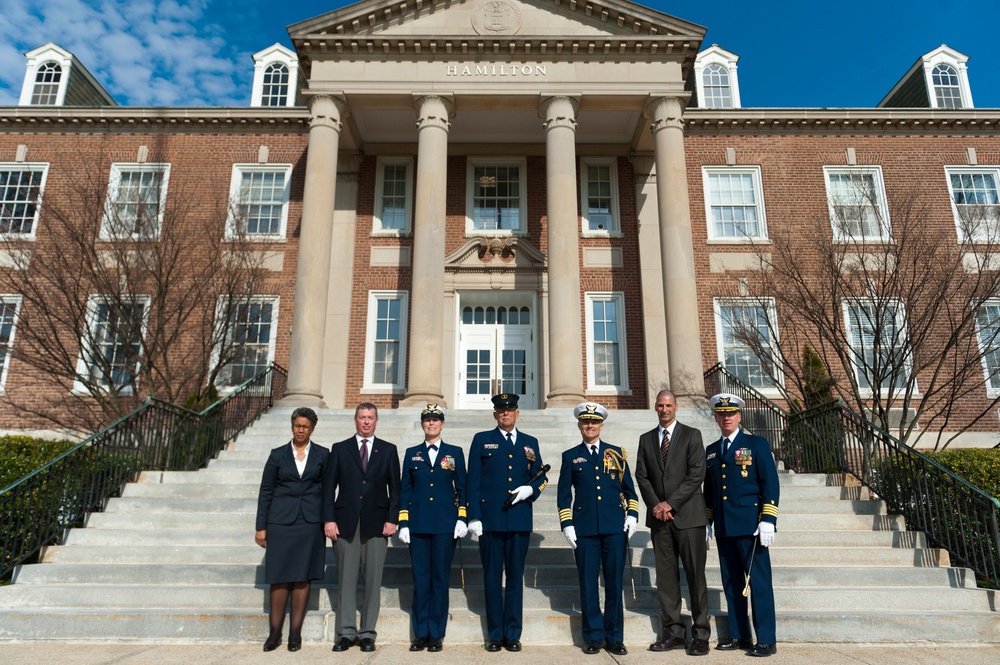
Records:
x=563, y=200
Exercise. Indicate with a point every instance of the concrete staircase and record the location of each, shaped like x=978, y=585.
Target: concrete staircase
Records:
x=174, y=559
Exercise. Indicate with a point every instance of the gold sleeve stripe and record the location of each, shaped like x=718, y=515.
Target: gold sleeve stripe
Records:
x=711, y=514
x=633, y=505
x=462, y=512
x=770, y=510
x=565, y=514
x=543, y=485
x=404, y=516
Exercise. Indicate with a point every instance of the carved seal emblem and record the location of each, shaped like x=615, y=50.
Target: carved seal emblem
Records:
x=496, y=17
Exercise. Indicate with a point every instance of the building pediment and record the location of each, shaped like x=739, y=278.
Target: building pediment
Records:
x=547, y=27
x=499, y=253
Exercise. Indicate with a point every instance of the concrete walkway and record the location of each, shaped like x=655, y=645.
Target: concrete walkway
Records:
x=60, y=653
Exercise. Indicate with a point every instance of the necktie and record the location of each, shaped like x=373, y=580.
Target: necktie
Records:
x=432, y=452
x=510, y=440
x=725, y=446
x=664, y=445
x=593, y=450
x=364, y=455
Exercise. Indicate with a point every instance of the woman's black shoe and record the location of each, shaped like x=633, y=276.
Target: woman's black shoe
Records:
x=273, y=642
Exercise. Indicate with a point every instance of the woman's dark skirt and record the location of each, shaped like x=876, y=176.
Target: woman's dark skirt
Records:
x=295, y=552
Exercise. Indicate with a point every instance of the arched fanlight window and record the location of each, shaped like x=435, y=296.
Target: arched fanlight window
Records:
x=946, y=87
x=275, y=90
x=47, y=79
x=718, y=94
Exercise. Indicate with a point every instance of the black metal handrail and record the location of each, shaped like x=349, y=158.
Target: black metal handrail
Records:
x=954, y=514
x=36, y=510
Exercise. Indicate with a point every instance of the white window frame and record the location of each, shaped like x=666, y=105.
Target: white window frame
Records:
x=900, y=322
x=594, y=388
x=221, y=318
x=274, y=55
x=718, y=304
x=613, y=228
x=708, y=172
x=474, y=162
x=117, y=170
x=370, y=386
x=27, y=166
x=991, y=376
x=82, y=365
x=944, y=55
x=236, y=199
x=716, y=55
x=15, y=300
x=880, y=207
x=990, y=210
x=377, y=228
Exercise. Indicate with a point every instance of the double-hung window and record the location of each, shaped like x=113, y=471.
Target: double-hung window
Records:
x=385, y=364
x=21, y=188
x=111, y=347
x=275, y=88
x=715, y=83
x=877, y=335
x=137, y=195
x=10, y=306
x=858, y=210
x=248, y=346
x=607, y=365
x=735, y=203
x=975, y=201
x=259, y=195
x=745, y=332
x=988, y=334
x=599, y=196
x=393, y=196
x=496, y=196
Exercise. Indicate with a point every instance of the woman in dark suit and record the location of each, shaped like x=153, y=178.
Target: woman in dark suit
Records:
x=289, y=526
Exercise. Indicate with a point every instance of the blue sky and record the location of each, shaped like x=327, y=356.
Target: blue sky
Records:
x=814, y=54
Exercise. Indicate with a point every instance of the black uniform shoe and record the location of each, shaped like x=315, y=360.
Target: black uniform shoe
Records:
x=492, y=646
x=733, y=645
x=435, y=644
x=763, y=650
x=512, y=645
x=418, y=644
x=590, y=648
x=618, y=649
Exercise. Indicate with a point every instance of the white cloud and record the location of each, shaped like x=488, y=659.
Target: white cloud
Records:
x=144, y=52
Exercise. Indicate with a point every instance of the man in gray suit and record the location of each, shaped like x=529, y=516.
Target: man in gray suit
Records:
x=670, y=470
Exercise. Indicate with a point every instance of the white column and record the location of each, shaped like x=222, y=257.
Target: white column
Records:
x=677, y=249
x=427, y=294
x=312, y=277
x=565, y=322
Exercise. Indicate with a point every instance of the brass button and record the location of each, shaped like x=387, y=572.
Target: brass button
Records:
x=598, y=498
x=598, y=487
x=724, y=498
x=432, y=485
x=432, y=498
x=510, y=467
x=510, y=457
x=723, y=466
x=723, y=487
x=510, y=480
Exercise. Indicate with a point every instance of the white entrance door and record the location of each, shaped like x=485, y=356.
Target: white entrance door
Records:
x=496, y=355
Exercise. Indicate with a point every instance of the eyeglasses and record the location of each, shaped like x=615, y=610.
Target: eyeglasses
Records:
x=302, y=426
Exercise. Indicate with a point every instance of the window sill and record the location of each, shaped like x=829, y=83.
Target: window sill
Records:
x=626, y=392
x=738, y=241
x=602, y=234
x=270, y=239
x=390, y=233
x=493, y=233
x=375, y=390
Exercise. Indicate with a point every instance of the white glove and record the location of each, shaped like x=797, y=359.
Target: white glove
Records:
x=708, y=534
x=630, y=524
x=460, y=529
x=766, y=531
x=476, y=527
x=570, y=533
x=404, y=535
x=521, y=493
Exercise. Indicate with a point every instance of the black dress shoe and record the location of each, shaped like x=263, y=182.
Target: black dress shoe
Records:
x=668, y=643
x=435, y=644
x=733, y=645
x=272, y=642
x=343, y=644
x=618, y=649
x=492, y=646
x=367, y=644
x=418, y=644
x=590, y=648
x=698, y=648
x=512, y=645
x=293, y=645
x=763, y=650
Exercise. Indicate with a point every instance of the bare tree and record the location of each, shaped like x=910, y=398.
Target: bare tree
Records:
x=127, y=293
x=899, y=304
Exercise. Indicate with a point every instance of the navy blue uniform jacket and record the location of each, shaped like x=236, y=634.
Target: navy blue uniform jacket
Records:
x=737, y=504
x=604, y=498
x=283, y=495
x=494, y=471
x=432, y=498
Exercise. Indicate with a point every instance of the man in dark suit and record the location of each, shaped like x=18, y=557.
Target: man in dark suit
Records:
x=670, y=470
x=361, y=510
x=741, y=490
x=432, y=516
x=504, y=464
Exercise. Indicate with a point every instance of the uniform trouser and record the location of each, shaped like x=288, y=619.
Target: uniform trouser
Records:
x=503, y=553
x=430, y=557
x=734, y=558
x=365, y=556
x=595, y=554
x=687, y=546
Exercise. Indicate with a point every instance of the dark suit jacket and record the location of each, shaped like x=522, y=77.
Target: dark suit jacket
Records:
x=352, y=497
x=679, y=482
x=283, y=496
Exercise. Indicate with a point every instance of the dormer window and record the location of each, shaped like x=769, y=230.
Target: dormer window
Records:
x=947, y=90
x=46, y=90
x=715, y=77
x=275, y=91
x=275, y=78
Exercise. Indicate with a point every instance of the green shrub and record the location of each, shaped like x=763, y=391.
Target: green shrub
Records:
x=980, y=467
x=20, y=455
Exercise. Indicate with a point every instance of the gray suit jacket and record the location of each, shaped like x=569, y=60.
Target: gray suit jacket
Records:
x=679, y=482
